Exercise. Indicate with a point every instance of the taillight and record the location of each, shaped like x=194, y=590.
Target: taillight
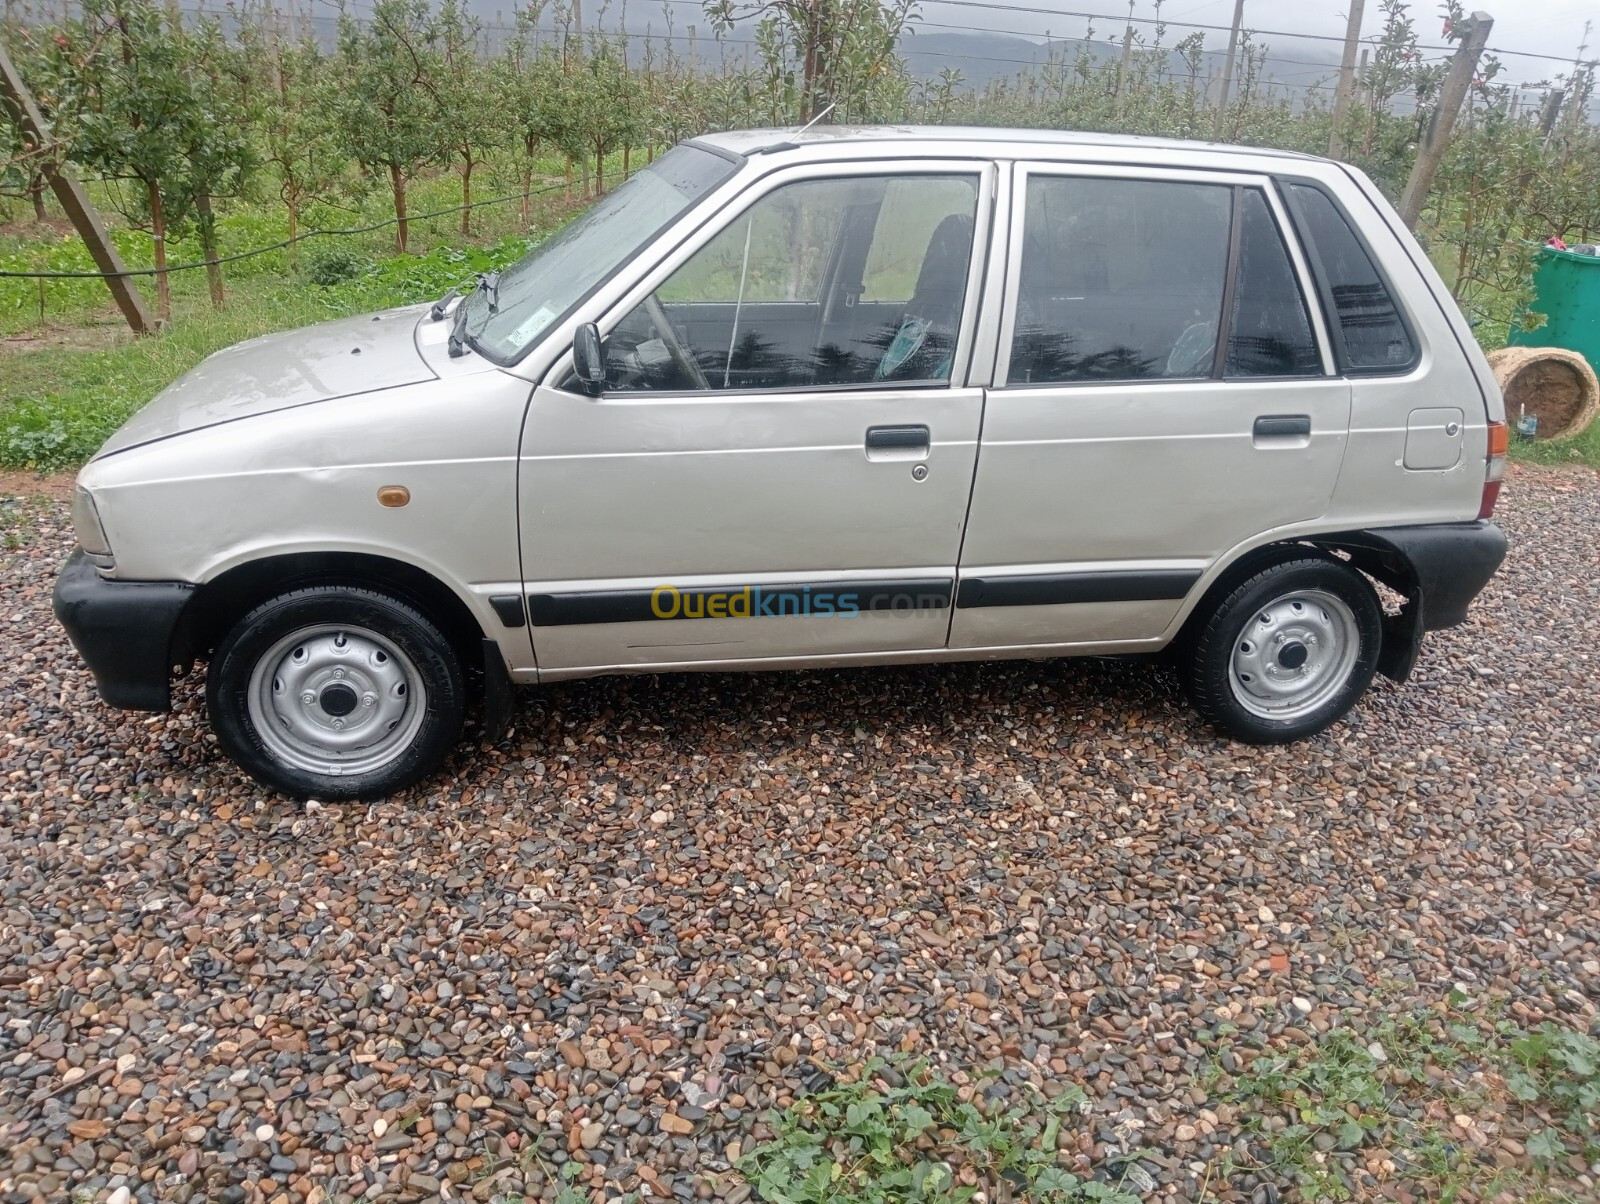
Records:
x=1495, y=468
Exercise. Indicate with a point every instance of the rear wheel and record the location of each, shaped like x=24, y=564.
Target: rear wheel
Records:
x=1287, y=652
x=336, y=692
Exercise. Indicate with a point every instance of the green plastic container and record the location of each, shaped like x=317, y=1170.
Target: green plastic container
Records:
x=1566, y=288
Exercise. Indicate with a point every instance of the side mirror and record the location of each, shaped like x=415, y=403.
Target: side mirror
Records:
x=588, y=360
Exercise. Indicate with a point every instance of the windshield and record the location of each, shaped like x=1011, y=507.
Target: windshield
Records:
x=543, y=286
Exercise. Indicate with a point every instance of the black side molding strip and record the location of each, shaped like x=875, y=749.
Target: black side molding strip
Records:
x=1060, y=589
x=785, y=600
x=509, y=608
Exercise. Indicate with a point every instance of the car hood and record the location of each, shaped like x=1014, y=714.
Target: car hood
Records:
x=278, y=371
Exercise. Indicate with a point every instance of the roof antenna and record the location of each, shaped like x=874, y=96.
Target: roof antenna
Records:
x=815, y=119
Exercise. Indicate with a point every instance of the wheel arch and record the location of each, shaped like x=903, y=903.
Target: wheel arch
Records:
x=1376, y=558
x=221, y=602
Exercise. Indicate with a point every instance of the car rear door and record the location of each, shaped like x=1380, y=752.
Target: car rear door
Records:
x=779, y=466
x=1164, y=393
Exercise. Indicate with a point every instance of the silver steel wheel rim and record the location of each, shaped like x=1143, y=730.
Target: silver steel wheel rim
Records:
x=336, y=700
x=1294, y=655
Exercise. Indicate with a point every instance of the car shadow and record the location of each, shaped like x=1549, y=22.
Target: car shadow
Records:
x=705, y=713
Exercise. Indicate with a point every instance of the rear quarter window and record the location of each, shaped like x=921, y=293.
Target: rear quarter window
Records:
x=1370, y=333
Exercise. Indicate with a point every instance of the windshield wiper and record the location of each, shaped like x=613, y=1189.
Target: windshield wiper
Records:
x=488, y=284
x=457, y=345
x=437, y=311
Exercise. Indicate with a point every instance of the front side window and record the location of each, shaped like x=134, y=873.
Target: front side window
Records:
x=842, y=282
x=1370, y=335
x=1121, y=280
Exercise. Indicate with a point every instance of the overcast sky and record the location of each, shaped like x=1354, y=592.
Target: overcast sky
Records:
x=1553, y=27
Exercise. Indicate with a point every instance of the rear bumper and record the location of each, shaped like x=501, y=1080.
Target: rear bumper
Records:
x=1447, y=564
x=1439, y=568
x=123, y=630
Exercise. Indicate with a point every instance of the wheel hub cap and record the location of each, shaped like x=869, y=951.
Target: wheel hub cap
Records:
x=336, y=700
x=339, y=699
x=1294, y=654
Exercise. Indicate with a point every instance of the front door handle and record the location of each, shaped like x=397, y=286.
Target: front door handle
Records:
x=898, y=442
x=1280, y=427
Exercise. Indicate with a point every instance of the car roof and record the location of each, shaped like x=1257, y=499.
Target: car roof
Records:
x=967, y=140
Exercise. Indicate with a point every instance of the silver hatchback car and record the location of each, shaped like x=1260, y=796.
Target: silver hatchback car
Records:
x=842, y=397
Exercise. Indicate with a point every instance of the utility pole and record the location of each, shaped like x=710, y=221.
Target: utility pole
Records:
x=1575, y=80
x=18, y=103
x=1127, y=51
x=1227, y=66
x=1552, y=109
x=1347, y=79
x=1462, y=69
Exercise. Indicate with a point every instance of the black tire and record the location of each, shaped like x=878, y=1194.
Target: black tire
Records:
x=1321, y=629
x=395, y=654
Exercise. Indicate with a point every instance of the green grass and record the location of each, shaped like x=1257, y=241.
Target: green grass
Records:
x=905, y=1133
x=1582, y=448
x=1425, y=1099
x=57, y=405
x=60, y=402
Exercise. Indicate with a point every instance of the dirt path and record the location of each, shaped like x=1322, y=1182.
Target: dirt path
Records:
x=32, y=484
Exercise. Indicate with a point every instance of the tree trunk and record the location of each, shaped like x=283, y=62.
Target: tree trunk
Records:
x=208, y=244
x=158, y=232
x=808, y=73
x=466, y=196
x=292, y=203
x=36, y=191
x=599, y=172
x=528, y=147
x=625, y=151
x=402, y=229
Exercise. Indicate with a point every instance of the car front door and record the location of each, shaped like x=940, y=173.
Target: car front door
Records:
x=778, y=466
x=1164, y=395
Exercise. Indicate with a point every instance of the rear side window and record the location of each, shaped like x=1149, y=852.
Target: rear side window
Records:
x=1149, y=280
x=1270, y=334
x=1370, y=334
x=1121, y=280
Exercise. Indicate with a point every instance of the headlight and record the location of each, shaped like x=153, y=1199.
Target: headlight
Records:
x=86, y=526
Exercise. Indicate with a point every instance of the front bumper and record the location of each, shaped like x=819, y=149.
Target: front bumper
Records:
x=124, y=630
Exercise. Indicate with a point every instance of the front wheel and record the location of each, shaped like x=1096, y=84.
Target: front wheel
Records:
x=1288, y=652
x=336, y=692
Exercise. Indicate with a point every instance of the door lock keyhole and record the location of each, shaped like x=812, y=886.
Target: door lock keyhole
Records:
x=919, y=473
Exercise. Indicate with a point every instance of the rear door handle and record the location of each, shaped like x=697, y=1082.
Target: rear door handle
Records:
x=1282, y=426
x=898, y=442
x=884, y=438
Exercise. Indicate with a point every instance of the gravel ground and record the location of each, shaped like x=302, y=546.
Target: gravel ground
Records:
x=652, y=914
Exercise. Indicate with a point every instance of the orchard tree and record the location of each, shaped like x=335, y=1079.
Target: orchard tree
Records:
x=23, y=165
x=531, y=95
x=469, y=126
x=290, y=109
x=218, y=153
x=149, y=110
x=844, y=49
x=607, y=101
x=386, y=99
